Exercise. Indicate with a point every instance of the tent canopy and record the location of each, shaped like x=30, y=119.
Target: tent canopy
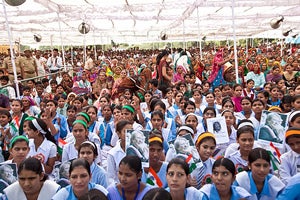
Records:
x=136, y=21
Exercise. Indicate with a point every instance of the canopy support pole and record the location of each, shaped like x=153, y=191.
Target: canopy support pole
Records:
x=198, y=23
x=234, y=44
x=61, y=43
x=95, y=48
x=246, y=47
x=183, y=33
x=12, y=56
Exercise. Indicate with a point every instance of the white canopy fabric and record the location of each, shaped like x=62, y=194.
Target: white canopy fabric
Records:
x=141, y=21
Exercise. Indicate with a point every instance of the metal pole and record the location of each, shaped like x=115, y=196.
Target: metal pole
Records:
x=247, y=47
x=183, y=33
x=234, y=45
x=198, y=23
x=95, y=48
x=72, y=56
x=84, y=46
x=61, y=41
x=12, y=56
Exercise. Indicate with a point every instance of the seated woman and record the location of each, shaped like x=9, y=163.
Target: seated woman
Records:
x=245, y=140
x=32, y=183
x=129, y=188
x=18, y=149
x=223, y=175
x=41, y=142
x=80, y=176
x=80, y=134
x=88, y=151
x=177, y=178
x=258, y=182
x=156, y=172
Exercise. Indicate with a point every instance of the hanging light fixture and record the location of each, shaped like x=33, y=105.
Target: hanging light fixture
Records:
x=163, y=35
x=286, y=32
x=84, y=28
x=15, y=2
x=276, y=22
x=37, y=37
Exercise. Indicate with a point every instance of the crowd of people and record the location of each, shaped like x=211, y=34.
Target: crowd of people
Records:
x=65, y=136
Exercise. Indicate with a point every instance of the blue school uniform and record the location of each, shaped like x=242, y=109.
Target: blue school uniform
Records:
x=290, y=165
x=291, y=192
x=68, y=194
x=191, y=193
x=161, y=174
x=98, y=175
x=239, y=163
x=272, y=186
x=211, y=193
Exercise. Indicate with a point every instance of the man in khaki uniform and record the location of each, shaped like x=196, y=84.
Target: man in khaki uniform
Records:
x=28, y=65
x=8, y=69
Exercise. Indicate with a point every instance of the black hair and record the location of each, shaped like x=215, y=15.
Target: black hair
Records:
x=179, y=161
x=153, y=101
x=105, y=97
x=89, y=144
x=133, y=162
x=93, y=194
x=257, y=100
x=189, y=102
x=292, y=135
x=19, y=101
x=247, y=98
x=265, y=93
x=294, y=117
x=14, y=142
x=60, y=96
x=159, y=113
x=250, y=80
x=157, y=194
x=71, y=107
x=93, y=107
x=225, y=100
x=210, y=108
x=80, y=162
x=161, y=55
x=285, y=100
x=205, y=139
x=45, y=80
x=154, y=82
x=6, y=113
x=117, y=107
x=53, y=82
x=32, y=164
x=53, y=101
x=26, y=88
x=244, y=129
x=160, y=104
x=237, y=85
x=225, y=162
x=39, y=85
x=108, y=106
x=44, y=127
x=295, y=98
x=156, y=133
x=121, y=124
x=79, y=99
x=5, y=78
x=258, y=153
x=196, y=90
